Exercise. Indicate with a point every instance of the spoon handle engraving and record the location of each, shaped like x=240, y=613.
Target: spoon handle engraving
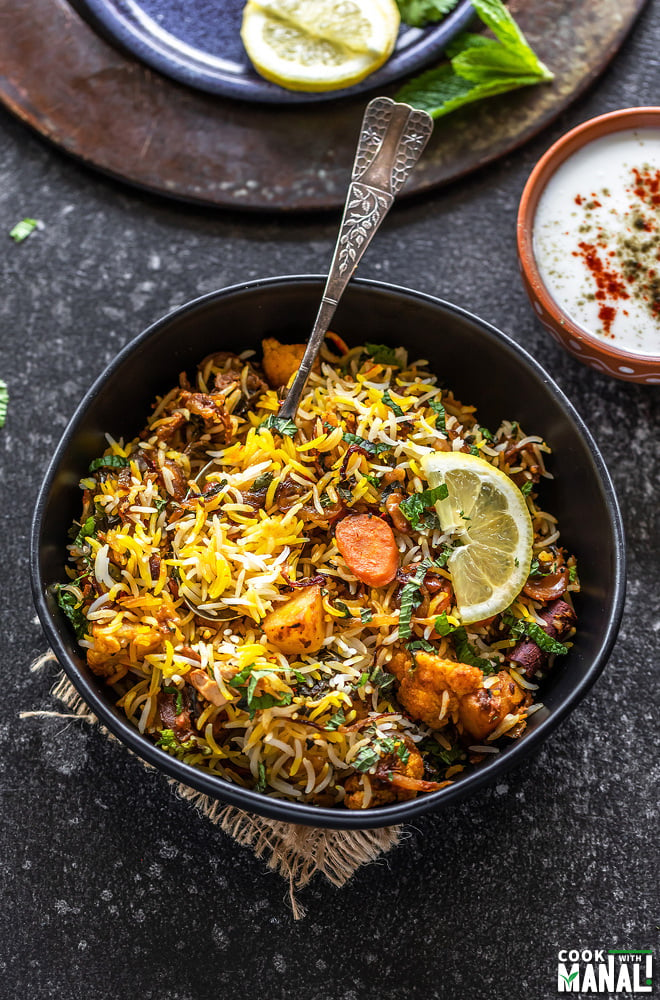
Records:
x=392, y=139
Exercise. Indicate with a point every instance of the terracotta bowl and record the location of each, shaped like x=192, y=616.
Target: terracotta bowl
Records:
x=589, y=349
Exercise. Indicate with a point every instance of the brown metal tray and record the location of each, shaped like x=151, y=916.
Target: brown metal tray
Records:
x=118, y=116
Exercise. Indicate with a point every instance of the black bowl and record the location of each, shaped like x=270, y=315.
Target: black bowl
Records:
x=483, y=366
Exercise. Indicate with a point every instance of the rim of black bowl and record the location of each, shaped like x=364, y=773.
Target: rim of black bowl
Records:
x=282, y=809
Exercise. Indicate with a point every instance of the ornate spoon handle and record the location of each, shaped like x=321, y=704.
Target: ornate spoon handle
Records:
x=392, y=139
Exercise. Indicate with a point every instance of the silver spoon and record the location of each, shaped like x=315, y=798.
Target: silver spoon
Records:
x=392, y=139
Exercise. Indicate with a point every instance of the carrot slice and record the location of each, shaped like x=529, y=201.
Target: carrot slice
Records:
x=368, y=546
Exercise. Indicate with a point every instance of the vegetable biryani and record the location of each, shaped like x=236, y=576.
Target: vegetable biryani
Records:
x=391, y=592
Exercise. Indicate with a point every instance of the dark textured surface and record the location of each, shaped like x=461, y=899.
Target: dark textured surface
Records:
x=112, y=111
x=113, y=889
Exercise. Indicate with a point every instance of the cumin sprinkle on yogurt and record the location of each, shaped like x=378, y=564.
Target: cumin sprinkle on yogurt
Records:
x=597, y=239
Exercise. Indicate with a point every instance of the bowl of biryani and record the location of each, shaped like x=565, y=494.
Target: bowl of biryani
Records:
x=345, y=620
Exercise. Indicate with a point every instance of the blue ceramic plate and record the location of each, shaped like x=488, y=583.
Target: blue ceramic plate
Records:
x=197, y=42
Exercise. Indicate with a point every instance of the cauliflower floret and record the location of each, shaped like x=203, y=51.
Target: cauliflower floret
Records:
x=437, y=691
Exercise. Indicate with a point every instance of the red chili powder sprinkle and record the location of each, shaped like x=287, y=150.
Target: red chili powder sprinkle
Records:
x=609, y=283
x=647, y=183
x=578, y=199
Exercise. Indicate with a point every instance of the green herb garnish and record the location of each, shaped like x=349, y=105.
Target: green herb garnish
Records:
x=346, y=612
x=441, y=415
x=382, y=354
x=365, y=758
x=168, y=741
x=366, y=614
x=336, y=720
x=527, y=488
x=23, y=229
x=572, y=574
x=394, y=407
x=72, y=608
x=462, y=647
x=413, y=507
x=86, y=530
x=382, y=679
x=522, y=628
x=417, y=644
x=410, y=598
x=486, y=434
x=261, y=780
x=372, y=447
x=4, y=401
x=109, y=462
x=263, y=481
x=479, y=66
x=279, y=424
x=419, y=13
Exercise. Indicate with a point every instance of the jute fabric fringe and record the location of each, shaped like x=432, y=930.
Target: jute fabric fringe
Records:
x=297, y=853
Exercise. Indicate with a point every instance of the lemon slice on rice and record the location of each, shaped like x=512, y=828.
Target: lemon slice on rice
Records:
x=488, y=515
x=317, y=45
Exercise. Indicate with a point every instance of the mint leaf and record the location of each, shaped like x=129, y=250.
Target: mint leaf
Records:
x=382, y=354
x=523, y=628
x=280, y=424
x=22, y=229
x=413, y=507
x=479, y=66
x=389, y=402
x=108, y=462
x=72, y=608
x=336, y=720
x=4, y=400
x=421, y=12
x=441, y=418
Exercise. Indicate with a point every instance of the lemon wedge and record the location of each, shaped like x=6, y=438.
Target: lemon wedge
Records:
x=317, y=45
x=487, y=514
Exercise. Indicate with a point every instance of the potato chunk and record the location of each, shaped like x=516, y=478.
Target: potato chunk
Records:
x=282, y=360
x=298, y=625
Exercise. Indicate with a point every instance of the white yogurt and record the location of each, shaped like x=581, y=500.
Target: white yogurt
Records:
x=597, y=239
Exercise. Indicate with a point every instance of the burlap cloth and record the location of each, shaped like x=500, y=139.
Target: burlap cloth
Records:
x=297, y=853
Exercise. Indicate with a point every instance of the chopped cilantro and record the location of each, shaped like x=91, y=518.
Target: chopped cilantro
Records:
x=366, y=614
x=474, y=450
x=394, y=407
x=526, y=488
x=486, y=434
x=364, y=677
x=160, y=503
x=109, y=462
x=535, y=568
x=374, y=480
x=299, y=677
x=403, y=753
x=280, y=424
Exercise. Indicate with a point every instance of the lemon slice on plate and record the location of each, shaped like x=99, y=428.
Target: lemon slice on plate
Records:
x=317, y=45
x=488, y=515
